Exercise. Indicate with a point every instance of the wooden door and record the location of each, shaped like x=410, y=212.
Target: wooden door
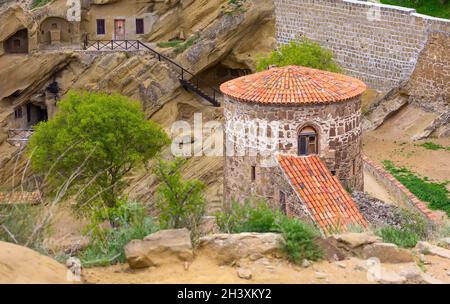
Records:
x=119, y=29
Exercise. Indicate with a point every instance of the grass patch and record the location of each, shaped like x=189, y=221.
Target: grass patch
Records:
x=170, y=44
x=436, y=194
x=298, y=236
x=39, y=3
x=179, y=45
x=398, y=236
x=436, y=8
x=432, y=146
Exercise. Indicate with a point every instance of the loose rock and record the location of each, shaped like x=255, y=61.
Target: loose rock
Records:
x=244, y=273
x=387, y=253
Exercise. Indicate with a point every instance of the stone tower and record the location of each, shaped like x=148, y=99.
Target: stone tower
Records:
x=293, y=111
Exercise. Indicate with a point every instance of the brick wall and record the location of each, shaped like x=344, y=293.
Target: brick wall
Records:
x=376, y=43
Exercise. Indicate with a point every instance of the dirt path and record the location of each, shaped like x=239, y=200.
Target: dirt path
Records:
x=203, y=270
x=392, y=141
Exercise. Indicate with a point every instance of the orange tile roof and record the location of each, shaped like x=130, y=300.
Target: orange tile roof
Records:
x=293, y=85
x=328, y=202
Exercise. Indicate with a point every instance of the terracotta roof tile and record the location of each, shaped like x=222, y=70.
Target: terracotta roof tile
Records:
x=328, y=202
x=293, y=85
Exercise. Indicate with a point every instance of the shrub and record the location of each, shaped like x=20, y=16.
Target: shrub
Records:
x=169, y=44
x=401, y=237
x=181, y=203
x=299, y=240
x=17, y=223
x=303, y=53
x=414, y=228
x=249, y=217
x=436, y=8
x=298, y=236
x=39, y=3
x=436, y=194
x=107, y=244
x=94, y=141
x=432, y=146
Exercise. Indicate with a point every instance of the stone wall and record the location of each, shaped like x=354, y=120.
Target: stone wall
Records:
x=429, y=84
x=379, y=44
x=400, y=192
x=338, y=126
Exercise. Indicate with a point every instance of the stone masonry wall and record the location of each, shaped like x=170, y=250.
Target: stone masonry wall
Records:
x=429, y=84
x=339, y=132
x=379, y=44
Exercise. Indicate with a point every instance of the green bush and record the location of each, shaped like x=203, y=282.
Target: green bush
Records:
x=299, y=240
x=401, y=237
x=107, y=244
x=259, y=217
x=249, y=217
x=181, y=203
x=436, y=194
x=169, y=44
x=303, y=53
x=414, y=228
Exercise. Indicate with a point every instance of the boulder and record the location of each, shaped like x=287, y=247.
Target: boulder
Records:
x=244, y=273
x=21, y=265
x=390, y=277
x=353, y=240
x=427, y=248
x=159, y=248
x=228, y=248
x=387, y=253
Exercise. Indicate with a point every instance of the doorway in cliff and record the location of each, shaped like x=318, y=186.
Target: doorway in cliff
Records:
x=17, y=43
x=221, y=73
x=28, y=115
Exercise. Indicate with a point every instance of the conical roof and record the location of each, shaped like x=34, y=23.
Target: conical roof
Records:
x=293, y=85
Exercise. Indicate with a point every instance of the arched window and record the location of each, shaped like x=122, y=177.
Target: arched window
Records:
x=307, y=141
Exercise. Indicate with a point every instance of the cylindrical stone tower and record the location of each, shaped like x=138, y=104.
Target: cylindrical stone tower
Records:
x=290, y=110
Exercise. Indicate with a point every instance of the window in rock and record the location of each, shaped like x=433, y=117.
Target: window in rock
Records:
x=283, y=202
x=253, y=173
x=101, y=27
x=307, y=142
x=139, y=26
x=18, y=112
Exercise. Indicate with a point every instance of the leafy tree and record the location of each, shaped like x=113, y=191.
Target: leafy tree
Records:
x=94, y=141
x=181, y=202
x=303, y=53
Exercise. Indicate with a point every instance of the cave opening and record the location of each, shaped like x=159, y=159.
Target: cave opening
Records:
x=17, y=43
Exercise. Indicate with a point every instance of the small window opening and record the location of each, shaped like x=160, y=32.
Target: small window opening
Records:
x=253, y=173
x=307, y=142
x=139, y=26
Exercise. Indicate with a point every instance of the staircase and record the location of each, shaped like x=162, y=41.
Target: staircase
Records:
x=188, y=80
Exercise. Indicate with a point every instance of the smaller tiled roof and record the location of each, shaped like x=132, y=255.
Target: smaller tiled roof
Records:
x=327, y=201
x=293, y=85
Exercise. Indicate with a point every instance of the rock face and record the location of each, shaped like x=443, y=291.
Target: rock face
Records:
x=159, y=248
x=22, y=265
x=427, y=248
x=229, y=248
x=387, y=253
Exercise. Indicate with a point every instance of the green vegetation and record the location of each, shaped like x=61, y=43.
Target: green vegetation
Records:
x=91, y=144
x=181, y=203
x=179, y=45
x=259, y=217
x=436, y=194
x=303, y=53
x=436, y=8
x=18, y=223
x=414, y=228
x=39, y=3
x=107, y=244
x=169, y=44
x=234, y=6
x=432, y=146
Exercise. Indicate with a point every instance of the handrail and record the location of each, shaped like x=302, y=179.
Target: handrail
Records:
x=183, y=70
x=138, y=45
